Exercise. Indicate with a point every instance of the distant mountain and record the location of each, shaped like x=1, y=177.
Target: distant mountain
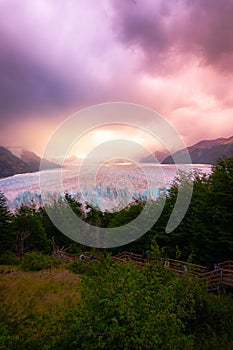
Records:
x=34, y=161
x=26, y=162
x=156, y=156
x=205, y=152
x=72, y=161
x=10, y=164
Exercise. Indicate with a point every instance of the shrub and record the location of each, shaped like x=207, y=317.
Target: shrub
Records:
x=88, y=269
x=9, y=258
x=38, y=261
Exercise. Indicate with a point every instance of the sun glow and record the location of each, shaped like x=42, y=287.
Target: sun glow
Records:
x=105, y=134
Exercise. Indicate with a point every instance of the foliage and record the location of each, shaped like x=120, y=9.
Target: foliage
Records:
x=117, y=307
x=88, y=269
x=9, y=258
x=37, y=261
x=53, y=234
x=6, y=237
x=221, y=203
x=123, y=307
x=205, y=232
x=30, y=233
x=120, y=311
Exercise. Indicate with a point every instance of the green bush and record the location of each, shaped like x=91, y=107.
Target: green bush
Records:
x=9, y=258
x=123, y=307
x=38, y=261
x=79, y=267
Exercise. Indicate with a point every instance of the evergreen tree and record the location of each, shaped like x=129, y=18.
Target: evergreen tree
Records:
x=221, y=204
x=29, y=230
x=6, y=236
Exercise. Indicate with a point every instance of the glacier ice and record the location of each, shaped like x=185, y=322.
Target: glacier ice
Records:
x=112, y=189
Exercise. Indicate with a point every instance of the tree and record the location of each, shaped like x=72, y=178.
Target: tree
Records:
x=124, y=307
x=194, y=233
x=53, y=233
x=221, y=204
x=6, y=236
x=206, y=231
x=30, y=233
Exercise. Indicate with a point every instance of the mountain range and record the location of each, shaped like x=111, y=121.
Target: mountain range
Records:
x=156, y=157
x=203, y=152
x=17, y=161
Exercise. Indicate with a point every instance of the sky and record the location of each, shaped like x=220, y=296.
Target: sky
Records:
x=58, y=57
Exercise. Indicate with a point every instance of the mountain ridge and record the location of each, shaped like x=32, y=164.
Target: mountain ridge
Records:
x=27, y=162
x=204, y=152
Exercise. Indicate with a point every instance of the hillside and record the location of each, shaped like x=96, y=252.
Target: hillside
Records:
x=205, y=152
x=10, y=164
x=34, y=161
x=156, y=156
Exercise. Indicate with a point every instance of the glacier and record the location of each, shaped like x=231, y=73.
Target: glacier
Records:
x=112, y=187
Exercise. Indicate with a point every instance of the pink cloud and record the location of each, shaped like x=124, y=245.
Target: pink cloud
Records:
x=174, y=56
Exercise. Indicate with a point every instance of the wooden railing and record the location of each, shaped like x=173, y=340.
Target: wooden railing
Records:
x=228, y=265
x=127, y=257
x=179, y=265
x=213, y=279
x=168, y=263
x=223, y=276
x=227, y=278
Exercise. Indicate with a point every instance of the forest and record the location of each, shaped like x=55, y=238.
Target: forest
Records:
x=51, y=304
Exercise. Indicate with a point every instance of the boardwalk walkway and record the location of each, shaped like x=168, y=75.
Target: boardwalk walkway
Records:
x=216, y=279
x=221, y=277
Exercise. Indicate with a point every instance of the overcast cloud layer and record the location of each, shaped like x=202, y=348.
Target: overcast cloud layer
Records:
x=57, y=57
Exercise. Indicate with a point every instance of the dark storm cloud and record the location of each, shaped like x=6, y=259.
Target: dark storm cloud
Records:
x=28, y=85
x=47, y=58
x=211, y=31
x=142, y=26
x=57, y=57
x=168, y=31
